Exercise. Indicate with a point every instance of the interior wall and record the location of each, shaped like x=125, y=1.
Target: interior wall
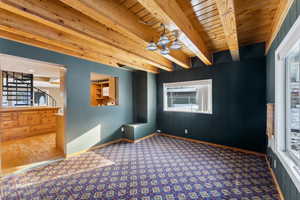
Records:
x=286, y=184
x=86, y=125
x=151, y=126
x=239, y=110
x=145, y=104
x=140, y=97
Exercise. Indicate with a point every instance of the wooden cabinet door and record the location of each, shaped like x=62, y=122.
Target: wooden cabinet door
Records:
x=8, y=124
x=93, y=96
x=113, y=90
x=43, y=128
x=49, y=120
x=29, y=118
x=15, y=133
x=9, y=116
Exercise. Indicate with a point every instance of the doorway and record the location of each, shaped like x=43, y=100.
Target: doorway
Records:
x=32, y=112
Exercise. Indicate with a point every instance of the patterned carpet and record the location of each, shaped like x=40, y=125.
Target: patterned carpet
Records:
x=158, y=168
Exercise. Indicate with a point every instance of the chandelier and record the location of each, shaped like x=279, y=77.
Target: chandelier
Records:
x=163, y=43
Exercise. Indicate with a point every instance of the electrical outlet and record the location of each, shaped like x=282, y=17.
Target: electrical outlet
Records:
x=274, y=164
x=122, y=129
x=186, y=131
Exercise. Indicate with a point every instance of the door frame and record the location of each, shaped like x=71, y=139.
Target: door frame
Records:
x=63, y=91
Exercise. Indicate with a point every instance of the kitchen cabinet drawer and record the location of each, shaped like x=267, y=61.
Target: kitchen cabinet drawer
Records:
x=43, y=128
x=8, y=124
x=48, y=113
x=29, y=118
x=28, y=113
x=14, y=133
x=10, y=116
x=49, y=120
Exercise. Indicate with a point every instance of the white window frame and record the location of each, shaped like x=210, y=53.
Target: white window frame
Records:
x=278, y=144
x=203, y=82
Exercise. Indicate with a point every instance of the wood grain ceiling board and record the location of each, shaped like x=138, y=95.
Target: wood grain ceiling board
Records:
x=254, y=20
x=148, y=18
x=253, y=17
x=206, y=18
x=85, y=35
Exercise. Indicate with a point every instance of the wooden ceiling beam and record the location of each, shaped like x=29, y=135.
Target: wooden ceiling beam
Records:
x=97, y=58
x=56, y=15
x=119, y=18
x=13, y=27
x=171, y=14
x=281, y=12
x=32, y=42
x=227, y=15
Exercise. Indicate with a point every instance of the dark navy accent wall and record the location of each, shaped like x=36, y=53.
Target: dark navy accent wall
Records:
x=87, y=125
x=287, y=186
x=152, y=103
x=150, y=126
x=144, y=105
x=140, y=100
x=239, y=110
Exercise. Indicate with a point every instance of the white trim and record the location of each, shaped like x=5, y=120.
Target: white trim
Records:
x=290, y=167
x=279, y=142
x=197, y=82
x=185, y=111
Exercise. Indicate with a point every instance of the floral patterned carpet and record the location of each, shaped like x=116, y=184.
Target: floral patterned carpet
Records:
x=158, y=168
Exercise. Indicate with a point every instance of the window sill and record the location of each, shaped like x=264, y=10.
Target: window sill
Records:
x=290, y=167
x=184, y=111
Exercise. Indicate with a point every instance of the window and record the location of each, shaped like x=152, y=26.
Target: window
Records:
x=286, y=141
x=292, y=136
x=17, y=89
x=189, y=96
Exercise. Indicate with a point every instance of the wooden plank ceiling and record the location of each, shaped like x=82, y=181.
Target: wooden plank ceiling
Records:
x=116, y=32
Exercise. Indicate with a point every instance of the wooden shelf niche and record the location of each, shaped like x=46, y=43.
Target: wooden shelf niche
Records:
x=103, y=90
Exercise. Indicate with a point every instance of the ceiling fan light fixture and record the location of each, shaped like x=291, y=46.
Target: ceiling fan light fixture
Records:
x=165, y=50
x=163, y=40
x=151, y=46
x=175, y=45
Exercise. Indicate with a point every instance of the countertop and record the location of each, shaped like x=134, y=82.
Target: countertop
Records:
x=26, y=108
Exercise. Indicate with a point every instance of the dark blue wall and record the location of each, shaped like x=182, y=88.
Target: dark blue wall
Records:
x=239, y=109
x=287, y=186
x=144, y=87
x=140, y=100
x=85, y=123
x=152, y=104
